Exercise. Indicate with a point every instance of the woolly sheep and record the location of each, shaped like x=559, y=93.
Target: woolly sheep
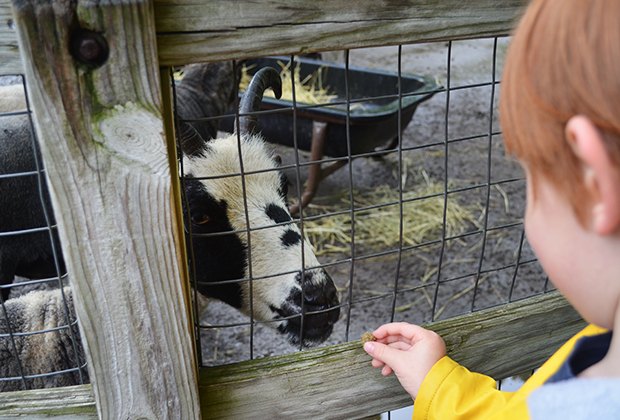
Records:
x=12, y=98
x=38, y=352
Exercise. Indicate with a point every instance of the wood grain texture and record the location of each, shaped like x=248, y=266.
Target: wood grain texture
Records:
x=101, y=136
x=210, y=30
x=71, y=402
x=219, y=29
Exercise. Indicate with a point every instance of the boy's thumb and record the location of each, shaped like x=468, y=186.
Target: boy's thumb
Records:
x=381, y=352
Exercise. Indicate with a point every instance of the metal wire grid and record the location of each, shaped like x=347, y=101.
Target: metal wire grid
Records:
x=482, y=268
x=13, y=338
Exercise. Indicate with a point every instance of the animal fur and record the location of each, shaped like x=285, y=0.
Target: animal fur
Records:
x=12, y=98
x=40, y=353
x=28, y=255
x=205, y=91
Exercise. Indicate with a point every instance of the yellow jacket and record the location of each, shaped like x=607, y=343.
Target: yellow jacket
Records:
x=451, y=392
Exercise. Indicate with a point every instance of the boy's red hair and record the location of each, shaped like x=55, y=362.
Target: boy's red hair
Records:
x=564, y=60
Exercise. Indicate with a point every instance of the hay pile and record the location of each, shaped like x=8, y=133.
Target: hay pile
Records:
x=379, y=228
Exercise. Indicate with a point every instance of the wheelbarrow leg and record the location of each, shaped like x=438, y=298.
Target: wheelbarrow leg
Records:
x=316, y=173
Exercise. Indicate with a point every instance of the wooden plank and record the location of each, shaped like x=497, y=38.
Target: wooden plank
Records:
x=338, y=382
x=71, y=402
x=102, y=139
x=220, y=29
x=210, y=30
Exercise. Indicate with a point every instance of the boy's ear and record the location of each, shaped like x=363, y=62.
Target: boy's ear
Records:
x=599, y=176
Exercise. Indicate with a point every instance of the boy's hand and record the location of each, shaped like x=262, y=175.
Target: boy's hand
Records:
x=407, y=350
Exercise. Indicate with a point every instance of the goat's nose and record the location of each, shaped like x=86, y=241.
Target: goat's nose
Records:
x=321, y=296
x=321, y=304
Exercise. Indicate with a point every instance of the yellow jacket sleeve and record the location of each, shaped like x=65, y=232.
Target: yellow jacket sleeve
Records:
x=452, y=392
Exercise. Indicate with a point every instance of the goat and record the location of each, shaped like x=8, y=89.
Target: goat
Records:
x=215, y=204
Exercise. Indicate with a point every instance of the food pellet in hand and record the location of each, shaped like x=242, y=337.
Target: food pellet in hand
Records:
x=367, y=336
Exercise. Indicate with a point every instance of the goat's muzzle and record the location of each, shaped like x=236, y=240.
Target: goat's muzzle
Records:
x=313, y=322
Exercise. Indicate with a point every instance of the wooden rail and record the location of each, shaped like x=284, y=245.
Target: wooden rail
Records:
x=192, y=31
x=320, y=383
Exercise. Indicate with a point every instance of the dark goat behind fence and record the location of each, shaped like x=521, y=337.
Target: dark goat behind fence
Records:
x=39, y=337
x=27, y=223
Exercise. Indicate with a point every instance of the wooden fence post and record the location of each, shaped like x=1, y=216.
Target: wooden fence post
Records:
x=94, y=86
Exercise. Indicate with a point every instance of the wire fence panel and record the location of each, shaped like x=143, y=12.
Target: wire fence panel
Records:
x=37, y=314
x=415, y=224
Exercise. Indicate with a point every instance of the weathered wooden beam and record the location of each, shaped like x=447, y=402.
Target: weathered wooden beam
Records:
x=338, y=382
x=220, y=29
x=70, y=402
x=94, y=87
x=210, y=30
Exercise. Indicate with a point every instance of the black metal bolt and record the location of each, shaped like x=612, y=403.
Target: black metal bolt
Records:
x=89, y=47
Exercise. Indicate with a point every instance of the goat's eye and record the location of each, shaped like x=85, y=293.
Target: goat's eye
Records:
x=278, y=160
x=200, y=219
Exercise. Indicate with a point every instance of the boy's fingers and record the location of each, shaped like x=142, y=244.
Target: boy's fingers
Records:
x=382, y=353
x=399, y=345
x=406, y=330
x=386, y=371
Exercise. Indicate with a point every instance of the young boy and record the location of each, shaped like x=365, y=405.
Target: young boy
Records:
x=560, y=114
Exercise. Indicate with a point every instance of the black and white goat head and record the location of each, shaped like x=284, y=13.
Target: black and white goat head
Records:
x=267, y=271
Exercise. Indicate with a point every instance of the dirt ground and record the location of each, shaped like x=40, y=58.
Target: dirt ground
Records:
x=366, y=285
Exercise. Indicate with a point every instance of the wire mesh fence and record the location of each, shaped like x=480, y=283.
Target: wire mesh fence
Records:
x=396, y=176
x=417, y=223
x=39, y=336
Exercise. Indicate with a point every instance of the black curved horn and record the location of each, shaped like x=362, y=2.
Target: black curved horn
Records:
x=266, y=77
